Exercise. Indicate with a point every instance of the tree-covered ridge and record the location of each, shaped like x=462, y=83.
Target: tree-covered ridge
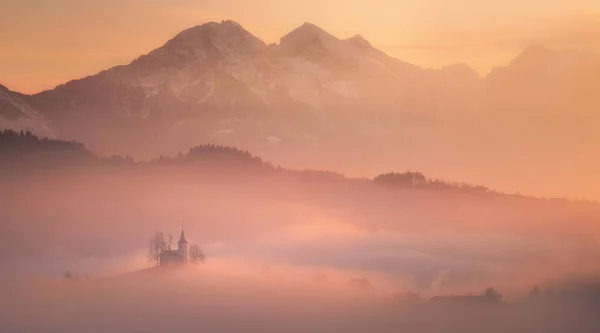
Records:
x=25, y=142
x=212, y=152
x=24, y=146
x=419, y=180
x=25, y=151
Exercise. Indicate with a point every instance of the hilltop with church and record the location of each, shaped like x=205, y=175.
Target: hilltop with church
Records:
x=175, y=258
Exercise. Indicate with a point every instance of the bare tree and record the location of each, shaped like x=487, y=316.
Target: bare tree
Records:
x=157, y=246
x=170, y=241
x=196, y=254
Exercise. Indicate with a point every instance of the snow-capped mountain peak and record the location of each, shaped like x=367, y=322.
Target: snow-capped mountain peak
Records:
x=209, y=43
x=227, y=34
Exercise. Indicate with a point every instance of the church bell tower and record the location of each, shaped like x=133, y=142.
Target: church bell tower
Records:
x=182, y=248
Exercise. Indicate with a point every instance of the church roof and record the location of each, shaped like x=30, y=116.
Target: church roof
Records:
x=169, y=253
x=182, y=238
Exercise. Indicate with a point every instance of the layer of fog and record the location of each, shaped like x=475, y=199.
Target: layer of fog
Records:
x=281, y=251
x=425, y=240
x=204, y=300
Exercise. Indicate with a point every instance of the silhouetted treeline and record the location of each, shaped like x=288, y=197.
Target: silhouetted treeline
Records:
x=214, y=153
x=25, y=150
x=418, y=180
x=25, y=142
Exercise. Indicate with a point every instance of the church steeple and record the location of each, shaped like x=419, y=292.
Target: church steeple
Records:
x=182, y=238
x=182, y=247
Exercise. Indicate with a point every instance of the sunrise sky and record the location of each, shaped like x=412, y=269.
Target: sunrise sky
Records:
x=47, y=42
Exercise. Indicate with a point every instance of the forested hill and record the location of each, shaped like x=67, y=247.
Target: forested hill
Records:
x=18, y=144
x=23, y=151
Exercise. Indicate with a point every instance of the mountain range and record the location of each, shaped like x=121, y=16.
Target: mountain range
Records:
x=313, y=95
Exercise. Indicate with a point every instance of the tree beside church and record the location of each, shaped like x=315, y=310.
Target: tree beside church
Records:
x=160, y=252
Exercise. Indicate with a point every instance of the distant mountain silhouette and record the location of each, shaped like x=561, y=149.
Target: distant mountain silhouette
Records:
x=218, y=80
x=548, y=81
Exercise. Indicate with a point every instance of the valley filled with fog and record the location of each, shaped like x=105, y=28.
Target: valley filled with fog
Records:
x=281, y=245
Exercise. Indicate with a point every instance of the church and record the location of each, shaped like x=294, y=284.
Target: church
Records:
x=175, y=258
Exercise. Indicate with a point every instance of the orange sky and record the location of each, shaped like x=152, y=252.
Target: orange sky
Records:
x=47, y=42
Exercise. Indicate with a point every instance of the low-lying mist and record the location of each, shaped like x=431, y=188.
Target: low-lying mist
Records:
x=286, y=251
x=216, y=300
